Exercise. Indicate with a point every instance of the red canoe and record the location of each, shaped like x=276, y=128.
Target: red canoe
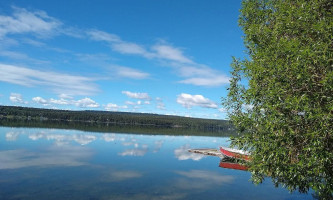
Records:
x=231, y=165
x=235, y=153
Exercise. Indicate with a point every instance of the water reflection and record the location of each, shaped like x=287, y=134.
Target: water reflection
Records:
x=65, y=155
x=61, y=138
x=12, y=136
x=134, y=152
x=121, y=175
x=158, y=145
x=201, y=179
x=82, y=139
x=182, y=153
x=62, y=164
x=231, y=164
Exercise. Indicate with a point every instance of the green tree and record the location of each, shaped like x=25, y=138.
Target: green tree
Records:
x=281, y=96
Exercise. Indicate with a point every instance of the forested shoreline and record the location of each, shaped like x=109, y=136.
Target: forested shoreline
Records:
x=103, y=120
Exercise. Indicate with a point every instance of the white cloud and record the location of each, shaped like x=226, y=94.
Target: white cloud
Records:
x=96, y=59
x=86, y=103
x=24, y=21
x=116, y=71
x=60, y=101
x=59, y=83
x=33, y=42
x=8, y=42
x=65, y=96
x=127, y=72
x=119, y=45
x=40, y=100
x=214, y=80
x=195, y=73
x=131, y=48
x=103, y=36
x=200, y=75
x=188, y=101
x=137, y=95
x=114, y=107
x=159, y=51
x=20, y=56
x=222, y=110
x=39, y=23
x=171, y=53
x=17, y=98
x=73, y=32
x=68, y=100
x=137, y=103
x=190, y=70
x=161, y=106
x=130, y=103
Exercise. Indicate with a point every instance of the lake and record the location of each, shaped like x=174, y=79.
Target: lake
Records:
x=41, y=163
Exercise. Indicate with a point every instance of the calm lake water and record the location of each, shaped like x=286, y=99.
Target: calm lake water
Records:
x=40, y=163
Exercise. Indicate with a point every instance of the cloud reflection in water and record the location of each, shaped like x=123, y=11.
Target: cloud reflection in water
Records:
x=134, y=152
x=135, y=144
x=124, y=175
x=201, y=179
x=53, y=156
x=60, y=139
x=183, y=154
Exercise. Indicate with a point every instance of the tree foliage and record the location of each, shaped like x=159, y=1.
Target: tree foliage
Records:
x=285, y=109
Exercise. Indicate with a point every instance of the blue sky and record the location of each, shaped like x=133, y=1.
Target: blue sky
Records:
x=165, y=57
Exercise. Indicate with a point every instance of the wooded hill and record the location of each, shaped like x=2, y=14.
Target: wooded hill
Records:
x=107, y=117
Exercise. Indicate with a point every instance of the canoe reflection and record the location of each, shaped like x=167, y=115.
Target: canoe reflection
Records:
x=230, y=164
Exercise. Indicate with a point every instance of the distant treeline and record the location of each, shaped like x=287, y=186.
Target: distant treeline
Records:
x=112, y=128
x=116, y=118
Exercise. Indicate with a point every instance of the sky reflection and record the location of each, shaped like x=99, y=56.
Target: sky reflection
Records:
x=65, y=155
x=57, y=164
x=135, y=145
x=201, y=179
x=182, y=153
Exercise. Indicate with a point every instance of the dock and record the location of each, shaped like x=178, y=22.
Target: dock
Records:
x=208, y=152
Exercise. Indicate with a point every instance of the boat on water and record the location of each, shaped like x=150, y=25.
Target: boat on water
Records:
x=224, y=163
x=235, y=153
